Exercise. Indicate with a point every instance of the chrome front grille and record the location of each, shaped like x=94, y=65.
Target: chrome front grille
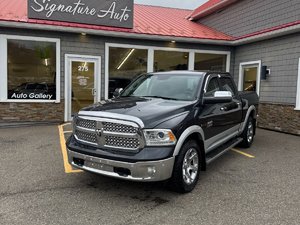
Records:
x=122, y=142
x=86, y=136
x=89, y=124
x=119, y=128
x=108, y=133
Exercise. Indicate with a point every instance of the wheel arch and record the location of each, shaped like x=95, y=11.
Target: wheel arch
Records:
x=192, y=133
x=250, y=112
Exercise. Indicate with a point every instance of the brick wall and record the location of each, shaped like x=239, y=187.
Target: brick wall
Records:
x=31, y=112
x=279, y=117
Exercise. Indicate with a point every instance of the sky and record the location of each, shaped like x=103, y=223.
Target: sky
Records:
x=182, y=4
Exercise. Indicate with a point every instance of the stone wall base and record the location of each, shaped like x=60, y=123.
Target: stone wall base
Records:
x=31, y=112
x=279, y=117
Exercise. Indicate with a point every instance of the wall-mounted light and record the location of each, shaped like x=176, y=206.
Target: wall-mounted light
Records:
x=265, y=72
x=125, y=59
x=173, y=42
x=83, y=34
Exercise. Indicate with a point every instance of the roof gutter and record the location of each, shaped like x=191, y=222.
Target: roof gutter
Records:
x=116, y=34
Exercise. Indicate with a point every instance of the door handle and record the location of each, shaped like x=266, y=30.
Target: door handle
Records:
x=94, y=91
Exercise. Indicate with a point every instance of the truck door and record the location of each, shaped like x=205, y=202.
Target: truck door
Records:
x=232, y=110
x=220, y=122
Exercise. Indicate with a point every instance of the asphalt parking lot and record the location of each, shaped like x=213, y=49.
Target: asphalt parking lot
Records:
x=260, y=185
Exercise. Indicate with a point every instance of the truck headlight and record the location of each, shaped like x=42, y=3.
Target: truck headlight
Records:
x=157, y=137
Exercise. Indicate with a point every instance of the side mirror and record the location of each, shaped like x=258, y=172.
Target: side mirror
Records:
x=117, y=92
x=219, y=97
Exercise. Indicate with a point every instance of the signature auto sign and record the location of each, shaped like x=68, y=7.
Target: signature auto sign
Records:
x=115, y=13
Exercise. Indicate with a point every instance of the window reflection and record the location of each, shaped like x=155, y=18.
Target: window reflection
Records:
x=250, y=75
x=169, y=60
x=127, y=63
x=124, y=65
x=31, y=70
x=210, y=62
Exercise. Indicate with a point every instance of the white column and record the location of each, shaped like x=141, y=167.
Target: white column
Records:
x=298, y=89
x=191, y=60
x=3, y=68
x=150, y=63
x=228, y=58
x=58, y=69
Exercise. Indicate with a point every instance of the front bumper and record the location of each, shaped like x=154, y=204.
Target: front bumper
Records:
x=139, y=171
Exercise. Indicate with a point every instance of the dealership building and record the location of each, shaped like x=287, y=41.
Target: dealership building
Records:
x=59, y=56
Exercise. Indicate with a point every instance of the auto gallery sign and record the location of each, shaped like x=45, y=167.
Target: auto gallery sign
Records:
x=115, y=13
x=31, y=96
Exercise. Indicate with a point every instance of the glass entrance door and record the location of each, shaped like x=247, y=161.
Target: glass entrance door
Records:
x=82, y=83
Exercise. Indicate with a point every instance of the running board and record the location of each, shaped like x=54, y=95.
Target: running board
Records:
x=214, y=154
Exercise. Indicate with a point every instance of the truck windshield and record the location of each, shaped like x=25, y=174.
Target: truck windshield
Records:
x=165, y=86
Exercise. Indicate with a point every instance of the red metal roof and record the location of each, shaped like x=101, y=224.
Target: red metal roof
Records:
x=209, y=7
x=150, y=20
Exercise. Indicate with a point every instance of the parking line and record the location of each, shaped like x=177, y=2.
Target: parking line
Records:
x=68, y=167
x=65, y=124
x=67, y=132
x=243, y=153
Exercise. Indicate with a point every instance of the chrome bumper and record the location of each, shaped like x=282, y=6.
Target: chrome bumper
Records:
x=139, y=171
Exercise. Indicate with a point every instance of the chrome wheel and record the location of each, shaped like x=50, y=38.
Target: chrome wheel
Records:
x=250, y=132
x=190, y=166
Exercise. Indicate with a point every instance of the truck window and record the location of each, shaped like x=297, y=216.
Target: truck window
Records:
x=173, y=86
x=227, y=85
x=212, y=87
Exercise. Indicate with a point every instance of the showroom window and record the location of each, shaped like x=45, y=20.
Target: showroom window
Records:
x=170, y=60
x=210, y=62
x=31, y=69
x=125, y=64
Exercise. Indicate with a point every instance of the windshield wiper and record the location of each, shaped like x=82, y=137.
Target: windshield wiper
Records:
x=155, y=96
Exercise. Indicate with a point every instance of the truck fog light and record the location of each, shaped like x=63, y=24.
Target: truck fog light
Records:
x=151, y=170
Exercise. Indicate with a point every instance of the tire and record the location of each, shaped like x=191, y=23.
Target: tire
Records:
x=248, y=133
x=186, y=171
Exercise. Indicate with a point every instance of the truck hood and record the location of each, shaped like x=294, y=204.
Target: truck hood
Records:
x=152, y=111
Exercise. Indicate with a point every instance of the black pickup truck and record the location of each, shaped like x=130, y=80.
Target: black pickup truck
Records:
x=164, y=126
